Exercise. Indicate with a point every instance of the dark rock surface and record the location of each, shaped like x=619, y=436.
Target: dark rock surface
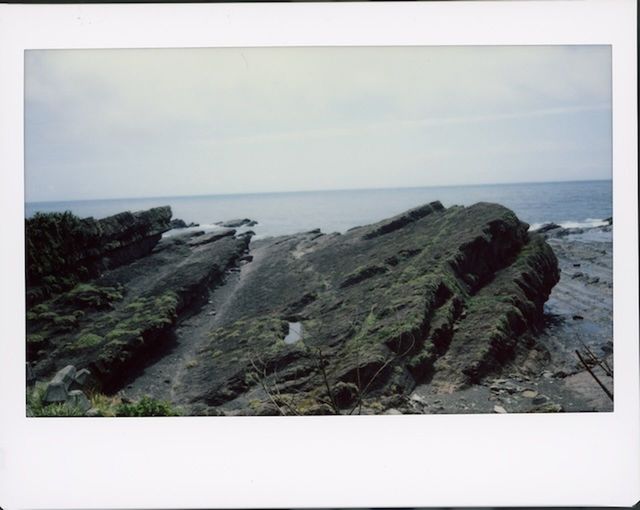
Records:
x=433, y=298
x=177, y=223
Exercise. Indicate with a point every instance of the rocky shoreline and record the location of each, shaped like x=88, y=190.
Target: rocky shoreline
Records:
x=437, y=310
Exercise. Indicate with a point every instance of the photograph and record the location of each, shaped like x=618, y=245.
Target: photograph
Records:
x=295, y=231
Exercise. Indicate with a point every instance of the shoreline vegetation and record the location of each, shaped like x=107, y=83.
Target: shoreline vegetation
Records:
x=435, y=310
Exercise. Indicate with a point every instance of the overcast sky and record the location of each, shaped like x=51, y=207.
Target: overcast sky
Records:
x=142, y=123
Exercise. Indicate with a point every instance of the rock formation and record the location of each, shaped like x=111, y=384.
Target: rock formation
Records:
x=432, y=296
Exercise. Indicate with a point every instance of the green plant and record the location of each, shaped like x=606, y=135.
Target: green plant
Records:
x=87, y=295
x=87, y=340
x=38, y=408
x=146, y=406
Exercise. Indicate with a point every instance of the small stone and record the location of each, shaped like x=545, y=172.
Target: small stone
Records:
x=541, y=399
x=392, y=411
x=212, y=313
x=167, y=381
x=80, y=380
x=418, y=398
x=529, y=394
x=576, y=265
x=499, y=409
x=549, y=407
x=79, y=400
x=547, y=375
x=55, y=393
x=65, y=376
x=578, y=317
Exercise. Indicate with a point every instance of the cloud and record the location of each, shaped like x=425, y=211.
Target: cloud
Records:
x=155, y=122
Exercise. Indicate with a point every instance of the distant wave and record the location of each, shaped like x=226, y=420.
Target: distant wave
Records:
x=588, y=223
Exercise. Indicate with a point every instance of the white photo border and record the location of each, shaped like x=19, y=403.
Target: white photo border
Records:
x=583, y=459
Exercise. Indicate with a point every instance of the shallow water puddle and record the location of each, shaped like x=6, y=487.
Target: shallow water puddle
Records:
x=295, y=333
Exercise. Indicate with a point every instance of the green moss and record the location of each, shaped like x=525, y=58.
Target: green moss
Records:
x=255, y=404
x=35, y=339
x=87, y=295
x=216, y=353
x=87, y=340
x=65, y=322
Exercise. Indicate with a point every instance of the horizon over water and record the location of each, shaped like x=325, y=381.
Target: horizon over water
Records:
x=569, y=203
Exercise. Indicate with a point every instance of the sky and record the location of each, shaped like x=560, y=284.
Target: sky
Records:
x=166, y=122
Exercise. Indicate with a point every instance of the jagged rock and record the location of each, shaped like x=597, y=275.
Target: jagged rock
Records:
x=81, y=380
x=237, y=223
x=62, y=249
x=112, y=340
x=79, y=400
x=548, y=226
x=177, y=223
x=434, y=295
x=211, y=238
x=55, y=393
x=57, y=389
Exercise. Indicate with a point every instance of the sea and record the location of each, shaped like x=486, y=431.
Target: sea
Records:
x=569, y=204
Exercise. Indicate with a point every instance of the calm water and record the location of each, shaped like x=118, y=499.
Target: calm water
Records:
x=567, y=203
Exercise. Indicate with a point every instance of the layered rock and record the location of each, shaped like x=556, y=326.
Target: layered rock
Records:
x=62, y=249
x=440, y=296
x=434, y=296
x=110, y=324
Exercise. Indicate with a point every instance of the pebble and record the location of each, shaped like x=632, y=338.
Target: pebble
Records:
x=211, y=313
x=541, y=399
x=499, y=410
x=529, y=393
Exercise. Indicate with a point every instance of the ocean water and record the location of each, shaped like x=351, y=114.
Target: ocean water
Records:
x=570, y=204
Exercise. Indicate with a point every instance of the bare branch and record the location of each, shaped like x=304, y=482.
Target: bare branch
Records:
x=604, y=388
